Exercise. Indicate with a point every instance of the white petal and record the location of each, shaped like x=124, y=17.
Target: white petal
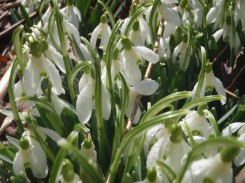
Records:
x=130, y=69
x=105, y=35
x=31, y=77
x=135, y=37
x=170, y=15
x=83, y=81
x=147, y=54
x=54, y=77
x=231, y=128
x=124, y=25
x=218, y=34
x=74, y=18
x=155, y=153
x=220, y=89
x=38, y=160
x=106, y=103
x=78, y=13
x=169, y=29
x=212, y=14
x=84, y=103
x=145, y=29
x=85, y=52
x=56, y=57
x=51, y=134
x=72, y=30
x=18, y=164
x=146, y=87
x=58, y=104
x=95, y=35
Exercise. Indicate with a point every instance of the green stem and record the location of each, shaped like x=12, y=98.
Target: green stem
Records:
x=14, y=108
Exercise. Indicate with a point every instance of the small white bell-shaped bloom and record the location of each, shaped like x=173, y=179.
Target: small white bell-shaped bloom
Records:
x=73, y=14
x=213, y=15
x=238, y=127
x=169, y=14
x=170, y=150
x=88, y=150
x=39, y=67
x=164, y=49
x=179, y=54
x=85, y=99
x=140, y=33
x=30, y=154
x=131, y=56
x=102, y=31
x=197, y=124
x=215, y=169
x=210, y=82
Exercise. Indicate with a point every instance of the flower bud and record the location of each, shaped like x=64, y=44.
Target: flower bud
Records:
x=208, y=67
x=36, y=49
x=176, y=133
x=24, y=143
x=152, y=174
x=87, y=143
x=229, y=153
x=103, y=19
x=126, y=43
x=68, y=170
x=136, y=26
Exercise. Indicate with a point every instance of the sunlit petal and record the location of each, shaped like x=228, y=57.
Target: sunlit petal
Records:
x=147, y=54
x=146, y=87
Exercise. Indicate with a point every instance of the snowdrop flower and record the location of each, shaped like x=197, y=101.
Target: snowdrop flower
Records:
x=238, y=127
x=197, y=123
x=169, y=14
x=180, y=52
x=171, y=150
x=131, y=56
x=210, y=82
x=164, y=48
x=88, y=150
x=85, y=101
x=145, y=87
x=68, y=174
x=102, y=31
x=39, y=67
x=31, y=155
x=213, y=16
x=73, y=14
x=214, y=169
x=140, y=32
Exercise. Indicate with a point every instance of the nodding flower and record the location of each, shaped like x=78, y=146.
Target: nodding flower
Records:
x=32, y=155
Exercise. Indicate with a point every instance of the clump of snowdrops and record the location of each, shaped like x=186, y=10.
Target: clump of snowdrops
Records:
x=136, y=100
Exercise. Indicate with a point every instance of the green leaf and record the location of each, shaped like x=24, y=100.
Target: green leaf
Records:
x=25, y=16
x=228, y=114
x=13, y=141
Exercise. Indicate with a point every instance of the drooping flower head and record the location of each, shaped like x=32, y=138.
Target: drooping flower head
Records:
x=32, y=155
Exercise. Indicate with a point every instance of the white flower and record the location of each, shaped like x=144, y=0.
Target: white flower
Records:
x=73, y=14
x=169, y=14
x=85, y=102
x=214, y=13
x=164, y=49
x=132, y=56
x=212, y=169
x=198, y=123
x=230, y=130
x=31, y=155
x=88, y=150
x=102, y=31
x=180, y=52
x=35, y=71
x=210, y=82
x=145, y=87
x=140, y=32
